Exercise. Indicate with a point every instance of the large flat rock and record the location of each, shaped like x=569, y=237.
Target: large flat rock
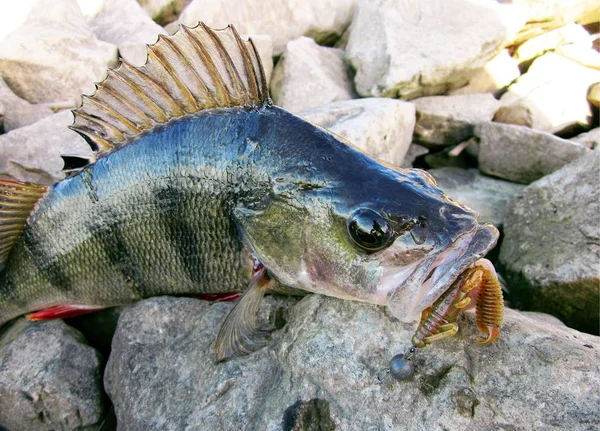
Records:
x=381, y=127
x=522, y=155
x=319, y=373
x=410, y=48
x=551, y=250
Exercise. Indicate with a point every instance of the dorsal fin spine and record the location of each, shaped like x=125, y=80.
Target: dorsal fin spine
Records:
x=229, y=65
x=210, y=66
x=159, y=59
x=132, y=128
x=190, y=71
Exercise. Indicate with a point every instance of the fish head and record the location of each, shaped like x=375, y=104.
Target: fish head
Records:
x=386, y=236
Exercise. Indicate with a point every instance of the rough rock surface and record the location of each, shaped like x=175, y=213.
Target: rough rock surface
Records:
x=488, y=196
x=590, y=139
x=48, y=58
x=309, y=75
x=19, y=112
x=449, y=120
x=320, y=371
x=324, y=21
x=409, y=48
x=2, y=111
x=49, y=378
x=380, y=127
x=32, y=153
x=414, y=151
x=550, y=41
x=125, y=24
x=517, y=115
x=522, y=155
x=496, y=74
x=554, y=89
x=551, y=250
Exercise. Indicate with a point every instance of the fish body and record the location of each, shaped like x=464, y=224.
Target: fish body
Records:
x=192, y=204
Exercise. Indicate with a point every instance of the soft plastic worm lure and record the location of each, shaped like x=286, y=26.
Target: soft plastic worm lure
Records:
x=439, y=320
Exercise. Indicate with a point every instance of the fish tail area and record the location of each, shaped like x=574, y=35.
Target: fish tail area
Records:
x=17, y=201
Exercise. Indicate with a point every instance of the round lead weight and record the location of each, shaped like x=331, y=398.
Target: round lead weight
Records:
x=400, y=368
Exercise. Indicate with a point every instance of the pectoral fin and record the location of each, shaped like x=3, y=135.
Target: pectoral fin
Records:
x=239, y=334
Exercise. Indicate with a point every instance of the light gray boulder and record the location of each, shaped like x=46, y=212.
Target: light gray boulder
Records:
x=522, y=155
x=554, y=90
x=50, y=379
x=497, y=73
x=380, y=127
x=286, y=20
x=125, y=24
x=32, y=153
x=410, y=48
x=550, y=41
x=19, y=112
x=50, y=58
x=319, y=372
x=590, y=139
x=449, y=120
x=308, y=75
x=2, y=111
x=551, y=249
x=488, y=196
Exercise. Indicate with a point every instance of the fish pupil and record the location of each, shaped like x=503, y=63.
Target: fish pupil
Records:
x=369, y=230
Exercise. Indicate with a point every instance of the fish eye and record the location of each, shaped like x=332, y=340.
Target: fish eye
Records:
x=369, y=230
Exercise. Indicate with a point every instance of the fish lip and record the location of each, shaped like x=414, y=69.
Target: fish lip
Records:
x=453, y=261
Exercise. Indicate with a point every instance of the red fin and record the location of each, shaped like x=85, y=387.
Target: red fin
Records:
x=220, y=297
x=63, y=312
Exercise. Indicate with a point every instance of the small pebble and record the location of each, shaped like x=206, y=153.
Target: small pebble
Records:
x=400, y=368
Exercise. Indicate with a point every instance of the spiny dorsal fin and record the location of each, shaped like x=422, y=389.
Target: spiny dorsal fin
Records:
x=195, y=69
x=16, y=202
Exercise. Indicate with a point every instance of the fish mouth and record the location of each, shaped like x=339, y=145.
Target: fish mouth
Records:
x=438, y=273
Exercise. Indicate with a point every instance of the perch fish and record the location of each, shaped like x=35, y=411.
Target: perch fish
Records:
x=202, y=186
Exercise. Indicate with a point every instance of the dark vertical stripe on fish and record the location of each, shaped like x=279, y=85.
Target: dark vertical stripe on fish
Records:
x=49, y=268
x=182, y=234
x=112, y=241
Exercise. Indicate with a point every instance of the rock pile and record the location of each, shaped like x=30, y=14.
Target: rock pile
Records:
x=498, y=100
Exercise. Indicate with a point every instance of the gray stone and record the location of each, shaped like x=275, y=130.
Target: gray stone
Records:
x=319, y=373
x=164, y=11
x=517, y=115
x=2, y=111
x=125, y=24
x=550, y=41
x=551, y=251
x=554, y=89
x=409, y=48
x=32, y=153
x=282, y=20
x=488, y=196
x=414, y=151
x=495, y=75
x=522, y=155
x=49, y=58
x=382, y=127
x=590, y=139
x=19, y=112
x=449, y=120
x=583, y=53
x=49, y=378
x=308, y=75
